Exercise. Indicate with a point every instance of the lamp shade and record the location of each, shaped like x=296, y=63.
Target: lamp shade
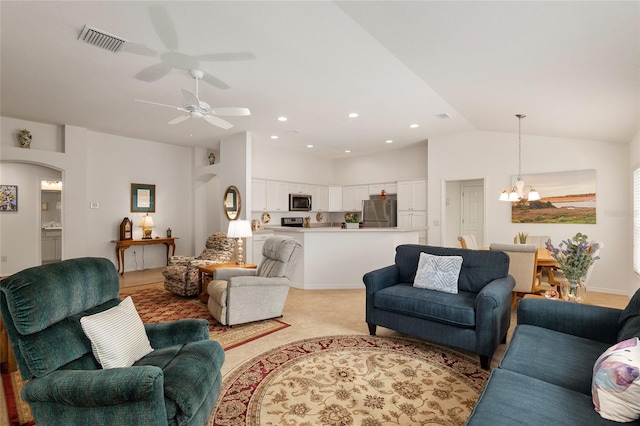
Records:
x=239, y=229
x=146, y=222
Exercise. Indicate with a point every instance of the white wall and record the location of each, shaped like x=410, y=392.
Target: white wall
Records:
x=634, y=163
x=275, y=163
x=457, y=158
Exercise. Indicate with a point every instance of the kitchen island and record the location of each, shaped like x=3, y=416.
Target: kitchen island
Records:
x=335, y=258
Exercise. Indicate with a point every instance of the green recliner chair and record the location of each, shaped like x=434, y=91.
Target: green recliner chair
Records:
x=176, y=384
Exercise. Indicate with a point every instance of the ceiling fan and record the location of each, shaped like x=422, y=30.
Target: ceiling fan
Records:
x=194, y=107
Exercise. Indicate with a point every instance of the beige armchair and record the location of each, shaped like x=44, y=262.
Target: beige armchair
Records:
x=237, y=295
x=181, y=276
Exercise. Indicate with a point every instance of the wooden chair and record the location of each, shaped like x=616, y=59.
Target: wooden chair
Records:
x=468, y=242
x=523, y=266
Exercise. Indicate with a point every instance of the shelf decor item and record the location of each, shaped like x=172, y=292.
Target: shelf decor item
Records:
x=25, y=138
x=574, y=256
x=126, y=229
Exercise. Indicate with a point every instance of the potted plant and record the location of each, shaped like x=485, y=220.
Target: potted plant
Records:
x=352, y=220
x=522, y=237
x=574, y=257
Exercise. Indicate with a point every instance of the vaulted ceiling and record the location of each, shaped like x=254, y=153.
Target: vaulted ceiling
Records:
x=572, y=67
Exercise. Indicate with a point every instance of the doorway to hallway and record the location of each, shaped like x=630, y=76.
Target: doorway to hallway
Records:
x=464, y=211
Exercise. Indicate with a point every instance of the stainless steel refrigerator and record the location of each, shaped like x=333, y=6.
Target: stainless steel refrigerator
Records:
x=380, y=213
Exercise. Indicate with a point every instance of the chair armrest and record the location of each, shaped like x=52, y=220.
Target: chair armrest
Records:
x=496, y=291
x=179, y=260
x=380, y=278
x=257, y=281
x=92, y=388
x=227, y=273
x=588, y=321
x=164, y=334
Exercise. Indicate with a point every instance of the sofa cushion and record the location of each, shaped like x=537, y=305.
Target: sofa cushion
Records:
x=629, y=321
x=558, y=358
x=438, y=273
x=511, y=398
x=456, y=309
x=479, y=267
x=118, y=338
x=616, y=383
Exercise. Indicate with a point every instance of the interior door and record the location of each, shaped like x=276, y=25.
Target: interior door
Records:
x=473, y=212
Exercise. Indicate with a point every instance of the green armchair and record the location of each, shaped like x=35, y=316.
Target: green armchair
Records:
x=176, y=384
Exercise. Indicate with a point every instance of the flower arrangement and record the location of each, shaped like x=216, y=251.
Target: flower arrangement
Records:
x=351, y=218
x=574, y=256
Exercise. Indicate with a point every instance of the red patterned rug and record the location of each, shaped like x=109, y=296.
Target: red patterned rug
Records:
x=352, y=380
x=154, y=304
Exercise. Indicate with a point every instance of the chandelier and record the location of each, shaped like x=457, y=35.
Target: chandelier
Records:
x=519, y=191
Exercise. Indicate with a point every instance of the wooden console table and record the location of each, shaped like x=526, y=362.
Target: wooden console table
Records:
x=206, y=274
x=122, y=245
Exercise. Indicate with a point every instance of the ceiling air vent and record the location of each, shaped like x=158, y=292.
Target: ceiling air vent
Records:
x=101, y=38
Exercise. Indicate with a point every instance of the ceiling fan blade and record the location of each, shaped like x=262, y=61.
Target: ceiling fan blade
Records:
x=226, y=57
x=154, y=72
x=231, y=111
x=217, y=121
x=190, y=98
x=179, y=119
x=138, y=49
x=164, y=27
x=208, y=78
x=164, y=105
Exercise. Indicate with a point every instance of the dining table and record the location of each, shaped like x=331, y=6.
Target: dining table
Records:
x=548, y=263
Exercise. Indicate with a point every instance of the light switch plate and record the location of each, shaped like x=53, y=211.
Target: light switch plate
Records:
x=94, y=205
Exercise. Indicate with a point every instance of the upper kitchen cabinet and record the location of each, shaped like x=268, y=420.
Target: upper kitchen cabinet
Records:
x=299, y=188
x=319, y=198
x=277, y=196
x=258, y=195
x=352, y=197
x=389, y=188
x=335, y=198
x=412, y=195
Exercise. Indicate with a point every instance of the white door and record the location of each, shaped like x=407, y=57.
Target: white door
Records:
x=473, y=212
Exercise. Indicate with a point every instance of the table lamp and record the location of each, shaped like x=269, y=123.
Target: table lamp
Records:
x=239, y=229
x=146, y=223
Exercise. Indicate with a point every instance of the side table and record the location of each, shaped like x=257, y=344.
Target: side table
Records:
x=206, y=275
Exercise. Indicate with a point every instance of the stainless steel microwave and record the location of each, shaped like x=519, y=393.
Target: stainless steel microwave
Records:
x=299, y=203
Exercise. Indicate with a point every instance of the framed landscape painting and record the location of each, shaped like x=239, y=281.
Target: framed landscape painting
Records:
x=566, y=197
x=8, y=198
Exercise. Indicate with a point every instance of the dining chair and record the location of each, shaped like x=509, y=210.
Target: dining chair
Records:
x=523, y=266
x=468, y=242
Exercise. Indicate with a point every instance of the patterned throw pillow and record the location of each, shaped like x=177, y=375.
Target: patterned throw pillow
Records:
x=615, y=386
x=118, y=337
x=438, y=272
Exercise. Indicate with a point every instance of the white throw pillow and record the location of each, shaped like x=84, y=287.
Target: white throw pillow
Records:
x=438, y=272
x=118, y=337
x=615, y=387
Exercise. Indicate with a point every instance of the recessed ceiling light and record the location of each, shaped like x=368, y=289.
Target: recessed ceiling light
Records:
x=282, y=118
x=353, y=114
x=293, y=132
x=274, y=137
x=413, y=126
x=309, y=146
x=388, y=141
x=443, y=116
x=347, y=151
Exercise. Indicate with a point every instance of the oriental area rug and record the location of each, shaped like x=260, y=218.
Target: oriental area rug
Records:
x=154, y=304
x=352, y=380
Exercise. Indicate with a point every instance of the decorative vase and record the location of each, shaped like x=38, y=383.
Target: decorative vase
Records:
x=25, y=138
x=573, y=291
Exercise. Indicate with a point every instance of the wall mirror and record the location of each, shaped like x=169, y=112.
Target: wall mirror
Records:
x=232, y=203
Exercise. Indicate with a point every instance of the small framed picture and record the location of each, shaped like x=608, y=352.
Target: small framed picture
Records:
x=8, y=198
x=143, y=198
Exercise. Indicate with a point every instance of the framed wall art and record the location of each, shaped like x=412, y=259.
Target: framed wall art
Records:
x=566, y=197
x=8, y=198
x=143, y=198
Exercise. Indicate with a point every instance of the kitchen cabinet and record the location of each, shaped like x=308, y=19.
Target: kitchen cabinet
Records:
x=258, y=195
x=277, y=196
x=51, y=245
x=352, y=197
x=335, y=198
x=389, y=188
x=414, y=219
x=319, y=198
x=258, y=244
x=412, y=195
x=299, y=188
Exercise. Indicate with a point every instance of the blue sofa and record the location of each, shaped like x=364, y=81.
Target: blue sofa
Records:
x=476, y=319
x=176, y=384
x=545, y=375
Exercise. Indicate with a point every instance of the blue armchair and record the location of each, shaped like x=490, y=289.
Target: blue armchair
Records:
x=176, y=384
x=475, y=319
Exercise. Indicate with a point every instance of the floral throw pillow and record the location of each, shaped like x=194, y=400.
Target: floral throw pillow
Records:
x=438, y=273
x=615, y=387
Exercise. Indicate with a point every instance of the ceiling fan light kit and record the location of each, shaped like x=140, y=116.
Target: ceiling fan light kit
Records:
x=196, y=108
